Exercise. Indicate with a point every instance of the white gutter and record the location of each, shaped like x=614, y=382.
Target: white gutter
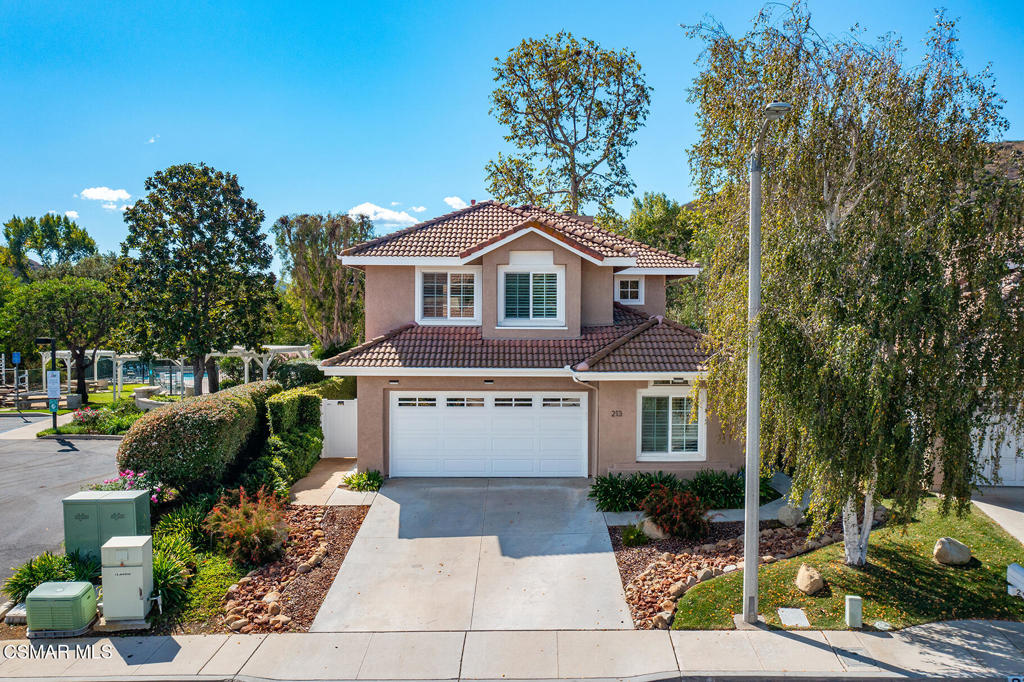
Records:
x=566, y=372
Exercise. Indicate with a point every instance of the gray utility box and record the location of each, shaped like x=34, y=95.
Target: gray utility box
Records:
x=92, y=517
x=127, y=577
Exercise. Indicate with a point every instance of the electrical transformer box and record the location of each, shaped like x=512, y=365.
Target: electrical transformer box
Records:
x=61, y=607
x=127, y=577
x=92, y=517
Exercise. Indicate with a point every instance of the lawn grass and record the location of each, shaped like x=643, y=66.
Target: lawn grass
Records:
x=901, y=584
x=96, y=399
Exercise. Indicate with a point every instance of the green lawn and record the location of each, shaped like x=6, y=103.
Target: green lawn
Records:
x=96, y=399
x=902, y=584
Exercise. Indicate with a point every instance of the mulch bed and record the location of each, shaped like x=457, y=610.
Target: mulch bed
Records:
x=301, y=593
x=650, y=571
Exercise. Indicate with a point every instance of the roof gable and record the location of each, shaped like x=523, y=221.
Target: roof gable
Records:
x=465, y=233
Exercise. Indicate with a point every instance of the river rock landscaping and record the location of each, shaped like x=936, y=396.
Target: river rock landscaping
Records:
x=657, y=574
x=286, y=594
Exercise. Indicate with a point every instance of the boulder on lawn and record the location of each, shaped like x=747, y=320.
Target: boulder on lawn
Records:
x=654, y=531
x=881, y=513
x=790, y=515
x=951, y=552
x=808, y=580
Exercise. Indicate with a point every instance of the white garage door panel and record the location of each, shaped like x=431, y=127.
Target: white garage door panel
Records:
x=1011, y=467
x=499, y=434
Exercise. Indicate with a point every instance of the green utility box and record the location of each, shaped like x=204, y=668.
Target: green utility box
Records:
x=92, y=517
x=65, y=607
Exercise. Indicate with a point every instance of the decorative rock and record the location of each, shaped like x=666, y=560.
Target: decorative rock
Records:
x=705, y=574
x=767, y=559
x=270, y=597
x=707, y=549
x=790, y=516
x=274, y=608
x=679, y=588
x=235, y=610
x=238, y=624
x=232, y=589
x=730, y=568
x=653, y=530
x=951, y=552
x=318, y=533
x=881, y=513
x=280, y=620
x=246, y=629
x=808, y=580
x=302, y=568
x=667, y=605
x=668, y=557
x=244, y=581
x=662, y=620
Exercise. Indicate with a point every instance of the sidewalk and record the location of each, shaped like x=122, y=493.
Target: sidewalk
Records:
x=29, y=431
x=952, y=650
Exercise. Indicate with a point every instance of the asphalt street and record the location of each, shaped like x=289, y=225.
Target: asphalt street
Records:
x=34, y=476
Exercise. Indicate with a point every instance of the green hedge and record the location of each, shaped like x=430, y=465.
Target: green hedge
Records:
x=301, y=406
x=191, y=444
x=298, y=373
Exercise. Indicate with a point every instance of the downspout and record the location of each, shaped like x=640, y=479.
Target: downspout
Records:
x=595, y=430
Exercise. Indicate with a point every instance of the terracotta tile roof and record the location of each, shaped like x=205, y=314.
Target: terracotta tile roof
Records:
x=461, y=233
x=633, y=343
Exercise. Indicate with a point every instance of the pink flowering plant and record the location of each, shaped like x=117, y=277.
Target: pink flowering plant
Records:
x=87, y=416
x=136, y=480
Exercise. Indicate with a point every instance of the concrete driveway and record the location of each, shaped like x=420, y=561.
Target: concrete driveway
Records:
x=478, y=554
x=1005, y=505
x=34, y=476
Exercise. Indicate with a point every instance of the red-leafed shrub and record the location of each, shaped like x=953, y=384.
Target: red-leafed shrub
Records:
x=251, y=529
x=190, y=445
x=678, y=513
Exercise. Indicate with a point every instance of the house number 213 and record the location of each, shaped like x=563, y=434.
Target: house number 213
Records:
x=616, y=413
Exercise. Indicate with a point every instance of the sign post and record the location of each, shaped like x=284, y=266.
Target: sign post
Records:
x=16, y=360
x=52, y=384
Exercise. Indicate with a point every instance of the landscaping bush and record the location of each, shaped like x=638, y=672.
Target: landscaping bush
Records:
x=270, y=473
x=299, y=449
x=621, y=493
x=250, y=529
x=135, y=480
x=298, y=373
x=718, y=489
x=678, y=513
x=191, y=444
x=47, y=568
x=170, y=579
x=176, y=545
x=301, y=406
x=634, y=536
x=365, y=481
x=187, y=521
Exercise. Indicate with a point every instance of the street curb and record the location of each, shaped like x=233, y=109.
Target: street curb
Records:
x=79, y=436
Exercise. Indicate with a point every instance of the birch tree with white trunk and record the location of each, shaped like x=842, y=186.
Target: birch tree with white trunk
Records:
x=892, y=324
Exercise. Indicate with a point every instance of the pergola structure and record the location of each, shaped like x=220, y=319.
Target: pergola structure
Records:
x=263, y=359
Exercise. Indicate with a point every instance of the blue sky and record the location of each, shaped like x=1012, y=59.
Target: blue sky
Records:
x=326, y=106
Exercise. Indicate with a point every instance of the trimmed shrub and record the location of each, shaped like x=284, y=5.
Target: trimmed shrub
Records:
x=678, y=513
x=191, y=444
x=298, y=373
x=621, y=493
x=299, y=449
x=301, y=406
x=251, y=529
x=270, y=473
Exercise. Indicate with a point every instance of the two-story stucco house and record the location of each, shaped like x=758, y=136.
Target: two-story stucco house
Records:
x=515, y=341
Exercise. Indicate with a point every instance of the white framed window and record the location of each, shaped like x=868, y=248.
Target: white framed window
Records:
x=465, y=402
x=558, y=401
x=671, y=425
x=405, y=401
x=448, y=295
x=531, y=291
x=513, y=402
x=629, y=289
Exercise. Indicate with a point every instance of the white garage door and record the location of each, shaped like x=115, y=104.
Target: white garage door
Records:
x=488, y=434
x=1011, y=467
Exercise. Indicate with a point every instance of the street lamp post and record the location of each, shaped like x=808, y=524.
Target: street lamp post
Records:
x=751, y=533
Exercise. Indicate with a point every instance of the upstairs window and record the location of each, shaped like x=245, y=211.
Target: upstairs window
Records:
x=448, y=296
x=531, y=295
x=629, y=290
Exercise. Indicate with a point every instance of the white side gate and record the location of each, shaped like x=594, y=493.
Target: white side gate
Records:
x=338, y=420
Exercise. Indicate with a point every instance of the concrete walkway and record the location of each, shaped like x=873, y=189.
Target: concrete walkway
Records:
x=1005, y=506
x=478, y=554
x=953, y=650
x=29, y=431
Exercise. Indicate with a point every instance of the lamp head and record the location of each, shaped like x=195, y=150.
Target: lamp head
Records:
x=776, y=110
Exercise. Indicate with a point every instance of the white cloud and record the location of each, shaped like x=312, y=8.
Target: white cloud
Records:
x=105, y=194
x=396, y=203
x=71, y=214
x=153, y=139
x=110, y=207
x=417, y=209
x=455, y=202
x=379, y=214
